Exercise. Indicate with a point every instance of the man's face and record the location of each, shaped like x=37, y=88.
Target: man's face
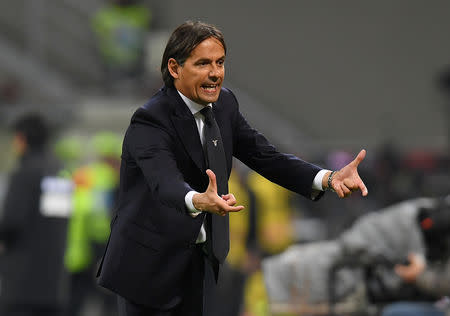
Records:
x=200, y=77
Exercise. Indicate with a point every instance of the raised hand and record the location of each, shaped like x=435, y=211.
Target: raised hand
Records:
x=347, y=180
x=209, y=201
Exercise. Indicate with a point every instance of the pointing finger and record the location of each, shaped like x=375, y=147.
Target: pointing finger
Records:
x=235, y=208
x=231, y=209
x=360, y=157
x=212, y=180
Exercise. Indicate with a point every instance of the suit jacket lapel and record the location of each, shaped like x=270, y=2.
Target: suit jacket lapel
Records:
x=186, y=128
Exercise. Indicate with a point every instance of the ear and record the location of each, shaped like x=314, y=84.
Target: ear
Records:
x=174, y=68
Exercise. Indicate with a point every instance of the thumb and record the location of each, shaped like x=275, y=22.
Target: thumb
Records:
x=360, y=157
x=212, y=186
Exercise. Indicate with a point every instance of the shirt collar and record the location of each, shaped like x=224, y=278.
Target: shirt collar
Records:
x=193, y=107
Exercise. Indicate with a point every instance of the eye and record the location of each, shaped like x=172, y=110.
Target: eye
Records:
x=221, y=63
x=203, y=63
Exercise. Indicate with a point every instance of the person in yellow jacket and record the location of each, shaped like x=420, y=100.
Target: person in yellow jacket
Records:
x=265, y=229
x=274, y=233
x=274, y=214
x=69, y=150
x=228, y=299
x=94, y=195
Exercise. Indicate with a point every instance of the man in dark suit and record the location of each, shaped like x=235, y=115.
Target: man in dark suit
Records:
x=170, y=234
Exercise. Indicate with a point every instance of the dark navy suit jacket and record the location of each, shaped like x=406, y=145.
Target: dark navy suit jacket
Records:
x=153, y=235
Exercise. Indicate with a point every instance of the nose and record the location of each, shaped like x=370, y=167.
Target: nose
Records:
x=215, y=72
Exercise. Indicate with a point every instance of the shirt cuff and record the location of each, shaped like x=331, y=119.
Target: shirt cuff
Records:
x=317, y=182
x=190, y=206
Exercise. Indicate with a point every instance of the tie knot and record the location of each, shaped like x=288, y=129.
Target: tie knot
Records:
x=208, y=114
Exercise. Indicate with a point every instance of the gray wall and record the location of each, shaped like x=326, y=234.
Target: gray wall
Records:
x=348, y=73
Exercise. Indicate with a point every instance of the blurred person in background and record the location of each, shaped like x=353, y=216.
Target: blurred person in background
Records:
x=274, y=232
x=265, y=228
x=245, y=252
x=168, y=240
x=96, y=186
x=430, y=275
x=33, y=227
x=69, y=149
x=121, y=29
x=274, y=223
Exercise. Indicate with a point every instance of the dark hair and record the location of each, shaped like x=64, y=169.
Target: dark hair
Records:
x=34, y=128
x=183, y=41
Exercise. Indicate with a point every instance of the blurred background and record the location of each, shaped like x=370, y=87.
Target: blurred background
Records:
x=320, y=79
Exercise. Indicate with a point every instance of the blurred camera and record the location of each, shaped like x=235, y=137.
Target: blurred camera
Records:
x=435, y=226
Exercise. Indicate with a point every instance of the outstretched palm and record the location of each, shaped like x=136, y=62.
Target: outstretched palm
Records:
x=209, y=201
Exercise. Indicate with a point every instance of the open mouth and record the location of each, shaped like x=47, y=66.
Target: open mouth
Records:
x=210, y=88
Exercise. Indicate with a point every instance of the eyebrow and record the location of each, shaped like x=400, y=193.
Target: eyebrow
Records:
x=208, y=60
x=201, y=60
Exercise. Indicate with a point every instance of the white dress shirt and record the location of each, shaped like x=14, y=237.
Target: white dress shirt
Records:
x=195, y=109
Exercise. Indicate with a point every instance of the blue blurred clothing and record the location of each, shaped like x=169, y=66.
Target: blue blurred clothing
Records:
x=412, y=309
